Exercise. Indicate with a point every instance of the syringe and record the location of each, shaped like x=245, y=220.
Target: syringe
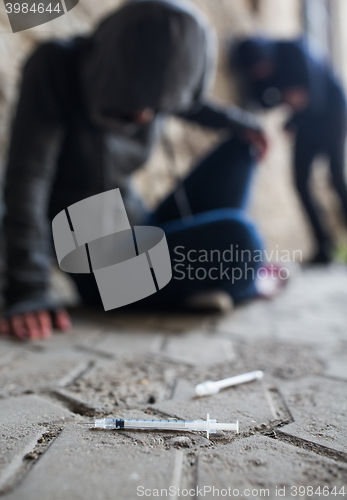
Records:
x=208, y=388
x=208, y=425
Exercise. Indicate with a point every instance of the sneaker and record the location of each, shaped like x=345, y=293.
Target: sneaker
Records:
x=321, y=257
x=270, y=284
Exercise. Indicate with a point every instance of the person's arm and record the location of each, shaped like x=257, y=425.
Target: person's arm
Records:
x=35, y=143
x=228, y=117
x=217, y=117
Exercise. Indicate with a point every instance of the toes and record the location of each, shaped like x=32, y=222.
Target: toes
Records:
x=62, y=320
x=19, y=328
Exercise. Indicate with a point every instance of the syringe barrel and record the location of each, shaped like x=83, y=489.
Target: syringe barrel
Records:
x=133, y=423
x=154, y=424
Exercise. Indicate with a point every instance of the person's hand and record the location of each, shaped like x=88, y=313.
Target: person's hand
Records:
x=297, y=98
x=35, y=325
x=258, y=139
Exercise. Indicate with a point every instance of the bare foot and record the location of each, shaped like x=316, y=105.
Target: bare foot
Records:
x=35, y=325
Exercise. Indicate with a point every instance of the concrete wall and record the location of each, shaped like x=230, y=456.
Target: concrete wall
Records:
x=274, y=205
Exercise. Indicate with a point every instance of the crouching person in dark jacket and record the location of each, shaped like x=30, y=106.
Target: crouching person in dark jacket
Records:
x=88, y=116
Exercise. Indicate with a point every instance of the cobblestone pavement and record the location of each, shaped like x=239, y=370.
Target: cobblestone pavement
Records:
x=293, y=426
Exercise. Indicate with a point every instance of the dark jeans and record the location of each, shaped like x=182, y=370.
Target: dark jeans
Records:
x=217, y=191
x=328, y=138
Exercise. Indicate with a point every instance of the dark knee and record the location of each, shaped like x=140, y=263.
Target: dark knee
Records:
x=302, y=186
x=238, y=230
x=338, y=181
x=240, y=149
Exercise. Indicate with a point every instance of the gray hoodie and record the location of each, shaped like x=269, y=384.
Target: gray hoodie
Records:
x=71, y=135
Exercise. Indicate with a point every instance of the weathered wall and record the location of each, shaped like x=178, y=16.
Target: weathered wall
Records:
x=274, y=205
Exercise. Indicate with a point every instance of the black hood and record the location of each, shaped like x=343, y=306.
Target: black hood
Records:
x=244, y=54
x=293, y=65
x=149, y=54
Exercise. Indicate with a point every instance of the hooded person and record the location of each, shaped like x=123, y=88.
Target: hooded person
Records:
x=89, y=113
x=288, y=71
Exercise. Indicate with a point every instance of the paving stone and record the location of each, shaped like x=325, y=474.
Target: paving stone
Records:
x=278, y=360
x=183, y=391
x=77, y=404
x=318, y=406
x=318, y=295
x=118, y=319
x=87, y=464
x=307, y=330
x=9, y=349
x=198, y=348
x=9, y=352
x=310, y=309
x=334, y=358
x=314, y=296
x=127, y=342
x=40, y=369
x=260, y=463
x=127, y=382
x=135, y=365
x=28, y=366
x=250, y=404
x=20, y=430
x=135, y=320
x=247, y=321
x=80, y=334
x=181, y=322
